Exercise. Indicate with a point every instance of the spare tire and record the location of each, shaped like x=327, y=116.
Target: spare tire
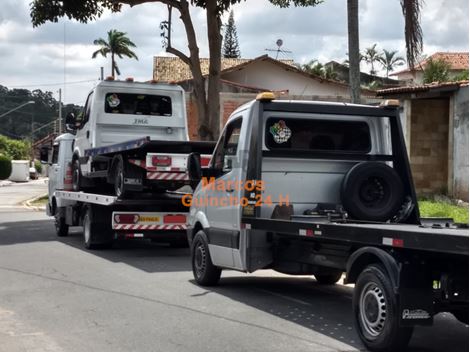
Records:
x=372, y=191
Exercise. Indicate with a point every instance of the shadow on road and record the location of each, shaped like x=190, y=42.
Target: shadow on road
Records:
x=327, y=310
x=141, y=254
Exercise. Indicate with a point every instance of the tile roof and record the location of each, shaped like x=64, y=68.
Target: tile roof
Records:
x=174, y=69
x=457, y=61
x=422, y=88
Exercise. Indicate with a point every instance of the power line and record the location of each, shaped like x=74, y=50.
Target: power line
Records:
x=52, y=84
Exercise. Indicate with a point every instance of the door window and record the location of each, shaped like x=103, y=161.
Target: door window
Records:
x=84, y=115
x=228, y=145
x=55, y=153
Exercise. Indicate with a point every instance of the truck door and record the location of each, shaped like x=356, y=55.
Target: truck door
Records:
x=83, y=136
x=54, y=170
x=223, y=196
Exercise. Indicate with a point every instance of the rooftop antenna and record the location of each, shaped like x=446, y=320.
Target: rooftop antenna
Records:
x=279, y=43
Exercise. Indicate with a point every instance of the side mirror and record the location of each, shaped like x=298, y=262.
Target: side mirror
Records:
x=70, y=122
x=44, y=155
x=194, y=169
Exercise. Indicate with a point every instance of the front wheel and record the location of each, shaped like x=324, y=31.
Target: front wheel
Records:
x=61, y=228
x=205, y=273
x=376, y=313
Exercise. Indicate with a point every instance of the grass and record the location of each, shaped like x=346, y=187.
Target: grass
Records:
x=40, y=202
x=435, y=208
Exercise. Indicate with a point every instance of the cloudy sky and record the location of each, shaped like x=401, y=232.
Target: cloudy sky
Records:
x=54, y=53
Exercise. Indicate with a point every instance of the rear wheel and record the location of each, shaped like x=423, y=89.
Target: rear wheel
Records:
x=205, y=273
x=95, y=234
x=376, y=314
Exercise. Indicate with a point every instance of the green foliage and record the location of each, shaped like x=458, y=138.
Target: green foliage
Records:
x=117, y=44
x=462, y=76
x=390, y=60
x=231, y=48
x=14, y=149
x=38, y=166
x=5, y=167
x=436, y=71
x=315, y=67
x=371, y=56
x=433, y=208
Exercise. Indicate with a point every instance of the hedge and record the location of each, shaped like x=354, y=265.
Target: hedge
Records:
x=5, y=167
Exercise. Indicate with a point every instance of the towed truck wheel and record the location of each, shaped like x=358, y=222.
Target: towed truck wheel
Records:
x=95, y=234
x=119, y=185
x=376, y=313
x=205, y=273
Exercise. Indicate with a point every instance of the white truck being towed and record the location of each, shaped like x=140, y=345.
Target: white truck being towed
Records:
x=133, y=136
x=314, y=188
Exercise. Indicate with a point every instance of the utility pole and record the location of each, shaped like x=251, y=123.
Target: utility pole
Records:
x=60, y=111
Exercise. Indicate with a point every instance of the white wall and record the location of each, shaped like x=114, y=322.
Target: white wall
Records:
x=264, y=74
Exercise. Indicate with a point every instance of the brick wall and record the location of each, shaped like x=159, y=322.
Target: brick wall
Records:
x=429, y=136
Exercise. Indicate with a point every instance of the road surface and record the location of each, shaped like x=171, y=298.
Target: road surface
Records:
x=12, y=196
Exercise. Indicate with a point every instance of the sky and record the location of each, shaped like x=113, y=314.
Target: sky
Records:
x=58, y=55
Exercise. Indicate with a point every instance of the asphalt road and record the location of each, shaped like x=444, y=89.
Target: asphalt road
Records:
x=57, y=296
x=15, y=194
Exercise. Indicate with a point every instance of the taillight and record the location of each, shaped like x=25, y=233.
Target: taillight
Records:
x=161, y=160
x=174, y=219
x=126, y=218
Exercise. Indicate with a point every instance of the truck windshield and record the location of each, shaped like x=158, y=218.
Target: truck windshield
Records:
x=137, y=104
x=316, y=134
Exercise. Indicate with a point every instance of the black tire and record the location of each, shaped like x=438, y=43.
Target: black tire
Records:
x=95, y=234
x=61, y=228
x=372, y=191
x=328, y=279
x=119, y=186
x=205, y=273
x=376, y=314
x=76, y=175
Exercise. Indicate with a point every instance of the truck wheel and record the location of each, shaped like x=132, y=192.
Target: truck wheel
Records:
x=119, y=186
x=205, y=273
x=61, y=228
x=328, y=279
x=372, y=191
x=95, y=234
x=376, y=315
x=76, y=175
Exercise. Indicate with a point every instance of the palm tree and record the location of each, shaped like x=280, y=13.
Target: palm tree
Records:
x=117, y=44
x=389, y=60
x=371, y=56
x=413, y=38
x=314, y=67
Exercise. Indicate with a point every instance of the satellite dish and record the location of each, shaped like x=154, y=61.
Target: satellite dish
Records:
x=279, y=42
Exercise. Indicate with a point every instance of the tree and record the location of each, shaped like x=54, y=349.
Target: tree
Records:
x=314, y=67
x=389, y=60
x=117, y=44
x=436, y=71
x=371, y=56
x=208, y=110
x=231, y=49
x=413, y=38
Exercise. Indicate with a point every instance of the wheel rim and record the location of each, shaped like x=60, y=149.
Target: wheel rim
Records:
x=372, y=309
x=200, y=256
x=86, y=228
x=119, y=183
x=373, y=192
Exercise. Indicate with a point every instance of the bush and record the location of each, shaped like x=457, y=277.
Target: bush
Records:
x=38, y=166
x=17, y=150
x=5, y=167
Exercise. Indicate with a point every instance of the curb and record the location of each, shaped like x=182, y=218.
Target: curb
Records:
x=27, y=203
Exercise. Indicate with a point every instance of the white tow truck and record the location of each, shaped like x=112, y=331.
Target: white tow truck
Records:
x=118, y=170
x=314, y=188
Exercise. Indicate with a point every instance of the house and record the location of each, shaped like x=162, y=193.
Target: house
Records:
x=242, y=79
x=435, y=122
x=458, y=62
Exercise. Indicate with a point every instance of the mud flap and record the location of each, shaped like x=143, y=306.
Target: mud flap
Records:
x=415, y=295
